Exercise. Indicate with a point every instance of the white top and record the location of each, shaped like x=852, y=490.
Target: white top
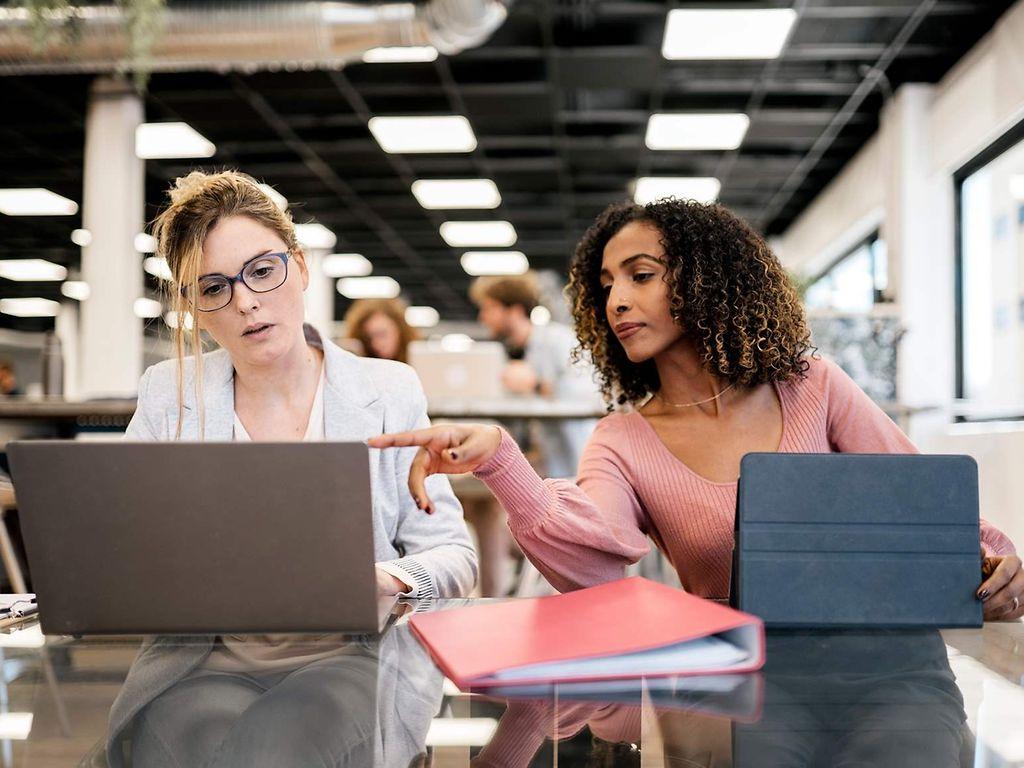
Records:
x=314, y=428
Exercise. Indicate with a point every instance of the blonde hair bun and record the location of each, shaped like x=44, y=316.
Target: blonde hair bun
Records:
x=187, y=187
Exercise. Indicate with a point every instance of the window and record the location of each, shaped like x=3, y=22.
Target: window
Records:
x=855, y=282
x=990, y=281
x=840, y=303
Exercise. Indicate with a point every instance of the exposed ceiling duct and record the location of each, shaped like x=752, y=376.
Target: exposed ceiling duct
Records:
x=246, y=36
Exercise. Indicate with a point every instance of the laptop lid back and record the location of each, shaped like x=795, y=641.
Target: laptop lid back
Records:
x=474, y=372
x=854, y=540
x=198, y=537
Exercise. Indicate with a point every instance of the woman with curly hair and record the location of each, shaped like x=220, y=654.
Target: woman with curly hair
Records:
x=693, y=324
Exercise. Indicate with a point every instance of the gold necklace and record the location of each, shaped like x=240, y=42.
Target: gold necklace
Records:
x=699, y=402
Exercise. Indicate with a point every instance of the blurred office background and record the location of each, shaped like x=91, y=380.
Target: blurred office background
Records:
x=879, y=144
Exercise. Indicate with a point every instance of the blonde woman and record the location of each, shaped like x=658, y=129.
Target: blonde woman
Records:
x=239, y=274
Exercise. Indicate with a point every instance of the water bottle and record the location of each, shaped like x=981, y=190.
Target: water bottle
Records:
x=53, y=366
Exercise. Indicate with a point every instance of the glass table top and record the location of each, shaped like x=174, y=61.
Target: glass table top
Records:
x=899, y=698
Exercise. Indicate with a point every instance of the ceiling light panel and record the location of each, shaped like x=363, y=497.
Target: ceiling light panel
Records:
x=397, y=54
x=398, y=135
x=440, y=194
x=29, y=270
x=703, y=189
x=379, y=287
x=696, y=131
x=35, y=201
x=161, y=141
x=494, y=263
x=758, y=33
x=478, y=234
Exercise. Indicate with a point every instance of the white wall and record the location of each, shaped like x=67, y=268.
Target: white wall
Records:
x=847, y=211
x=982, y=96
x=999, y=450
x=902, y=182
x=977, y=101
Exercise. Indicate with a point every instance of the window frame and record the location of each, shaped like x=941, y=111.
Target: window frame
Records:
x=1007, y=141
x=877, y=297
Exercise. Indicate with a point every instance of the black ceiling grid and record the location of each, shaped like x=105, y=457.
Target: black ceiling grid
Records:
x=559, y=100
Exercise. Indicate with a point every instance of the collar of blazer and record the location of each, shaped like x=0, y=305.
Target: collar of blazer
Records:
x=351, y=407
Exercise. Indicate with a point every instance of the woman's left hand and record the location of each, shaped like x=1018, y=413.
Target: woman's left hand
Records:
x=389, y=585
x=1003, y=591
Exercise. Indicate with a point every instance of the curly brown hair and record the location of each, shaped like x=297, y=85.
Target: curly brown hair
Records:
x=728, y=292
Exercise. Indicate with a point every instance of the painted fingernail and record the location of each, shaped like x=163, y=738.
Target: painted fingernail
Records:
x=983, y=595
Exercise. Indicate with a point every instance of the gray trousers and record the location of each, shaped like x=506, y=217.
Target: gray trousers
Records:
x=890, y=724
x=323, y=714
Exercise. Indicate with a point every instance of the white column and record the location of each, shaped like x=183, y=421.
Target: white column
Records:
x=66, y=327
x=921, y=279
x=319, y=294
x=112, y=210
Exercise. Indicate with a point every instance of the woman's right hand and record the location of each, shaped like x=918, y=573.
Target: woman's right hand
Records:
x=449, y=449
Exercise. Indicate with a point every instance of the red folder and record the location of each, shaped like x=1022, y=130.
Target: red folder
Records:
x=624, y=629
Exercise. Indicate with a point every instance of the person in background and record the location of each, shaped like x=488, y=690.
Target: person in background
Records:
x=8, y=380
x=380, y=327
x=377, y=328
x=693, y=322
x=540, y=363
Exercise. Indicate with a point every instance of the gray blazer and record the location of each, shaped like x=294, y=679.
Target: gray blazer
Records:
x=362, y=397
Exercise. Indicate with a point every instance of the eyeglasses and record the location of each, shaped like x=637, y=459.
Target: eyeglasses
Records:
x=259, y=274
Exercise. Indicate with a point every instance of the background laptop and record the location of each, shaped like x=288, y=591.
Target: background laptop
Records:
x=168, y=538
x=473, y=373
x=854, y=540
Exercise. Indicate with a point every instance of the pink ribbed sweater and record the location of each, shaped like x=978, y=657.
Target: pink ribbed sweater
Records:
x=632, y=490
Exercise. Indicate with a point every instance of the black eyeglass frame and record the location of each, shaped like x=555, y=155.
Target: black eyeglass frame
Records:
x=239, y=278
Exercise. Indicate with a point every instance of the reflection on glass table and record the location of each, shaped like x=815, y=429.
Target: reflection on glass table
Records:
x=824, y=698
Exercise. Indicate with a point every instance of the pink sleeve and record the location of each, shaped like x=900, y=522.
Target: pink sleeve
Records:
x=857, y=425
x=577, y=534
x=994, y=541
x=854, y=422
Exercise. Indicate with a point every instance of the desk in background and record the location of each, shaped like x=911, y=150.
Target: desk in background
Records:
x=507, y=408
x=66, y=418
x=59, y=418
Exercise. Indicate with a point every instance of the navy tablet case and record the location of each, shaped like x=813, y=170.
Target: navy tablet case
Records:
x=857, y=540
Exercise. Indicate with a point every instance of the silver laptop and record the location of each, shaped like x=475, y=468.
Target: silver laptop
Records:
x=178, y=538
x=474, y=372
